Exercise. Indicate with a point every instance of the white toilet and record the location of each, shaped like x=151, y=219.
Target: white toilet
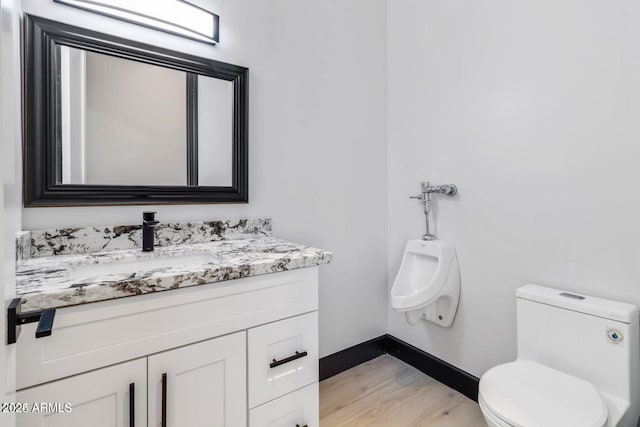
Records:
x=428, y=282
x=578, y=364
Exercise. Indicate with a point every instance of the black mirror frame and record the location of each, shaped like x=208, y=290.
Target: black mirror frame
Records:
x=41, y=186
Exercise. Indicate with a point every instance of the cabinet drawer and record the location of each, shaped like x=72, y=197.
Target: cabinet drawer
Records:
x=283, y=357
x=299, y=408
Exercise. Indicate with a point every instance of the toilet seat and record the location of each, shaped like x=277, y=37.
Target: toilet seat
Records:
x=529, y=394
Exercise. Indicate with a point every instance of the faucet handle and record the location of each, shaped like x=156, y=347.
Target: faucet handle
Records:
x=419, y=196
x=148, y=216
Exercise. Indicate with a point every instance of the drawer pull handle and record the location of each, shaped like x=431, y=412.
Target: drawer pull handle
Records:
x=296, y=356
x=132, y=405
x=298, y=425
x=163, y=419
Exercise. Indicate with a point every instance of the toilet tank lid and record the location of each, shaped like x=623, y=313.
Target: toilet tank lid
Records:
x=600, y=307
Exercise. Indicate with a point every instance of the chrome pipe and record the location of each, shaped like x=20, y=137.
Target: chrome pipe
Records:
x=425, y=198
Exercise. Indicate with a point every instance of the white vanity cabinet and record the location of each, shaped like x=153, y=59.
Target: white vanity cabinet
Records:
x=198, y=356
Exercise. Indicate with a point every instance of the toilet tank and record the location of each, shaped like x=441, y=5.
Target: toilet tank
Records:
x=587, y=337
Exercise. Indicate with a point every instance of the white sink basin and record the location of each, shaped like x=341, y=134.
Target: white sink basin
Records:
x=139, y=265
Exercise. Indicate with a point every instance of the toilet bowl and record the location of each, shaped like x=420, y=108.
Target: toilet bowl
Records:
x=578, y=364
x=428, y=282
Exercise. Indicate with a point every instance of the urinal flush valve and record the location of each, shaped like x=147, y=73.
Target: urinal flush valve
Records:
x=425, y=198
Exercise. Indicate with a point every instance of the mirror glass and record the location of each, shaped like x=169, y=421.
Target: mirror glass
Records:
x=215, y=131
x=126, y=122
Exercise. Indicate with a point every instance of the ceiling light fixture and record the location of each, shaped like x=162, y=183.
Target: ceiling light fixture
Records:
x=172, y=16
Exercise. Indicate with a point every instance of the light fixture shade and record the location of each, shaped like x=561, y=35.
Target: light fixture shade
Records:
x=173, y=16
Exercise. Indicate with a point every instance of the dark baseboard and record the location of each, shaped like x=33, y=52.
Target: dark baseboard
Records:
x=353, y=356
x=438, y=369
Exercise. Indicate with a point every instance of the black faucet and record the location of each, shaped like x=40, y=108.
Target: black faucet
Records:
x=148, y=225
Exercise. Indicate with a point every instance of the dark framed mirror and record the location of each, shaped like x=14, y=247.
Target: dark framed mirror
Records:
x=110, y=121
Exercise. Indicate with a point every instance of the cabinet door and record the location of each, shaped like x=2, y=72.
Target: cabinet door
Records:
x=100, y=398
x=202, y=384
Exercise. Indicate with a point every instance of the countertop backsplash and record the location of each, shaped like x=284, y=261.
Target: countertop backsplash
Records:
x=73, y=241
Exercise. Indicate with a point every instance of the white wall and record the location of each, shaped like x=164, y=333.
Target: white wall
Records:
x=11, y=192
x=317, y=141
x=532, y=109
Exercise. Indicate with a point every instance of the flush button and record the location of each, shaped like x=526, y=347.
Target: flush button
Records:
x=573, y=296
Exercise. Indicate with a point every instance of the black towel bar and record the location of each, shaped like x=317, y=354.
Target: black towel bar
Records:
x=15, y=318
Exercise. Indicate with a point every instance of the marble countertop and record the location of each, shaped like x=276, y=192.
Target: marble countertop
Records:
x=52, y=281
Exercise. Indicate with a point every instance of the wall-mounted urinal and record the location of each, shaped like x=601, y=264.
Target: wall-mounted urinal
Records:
x=428, y=282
